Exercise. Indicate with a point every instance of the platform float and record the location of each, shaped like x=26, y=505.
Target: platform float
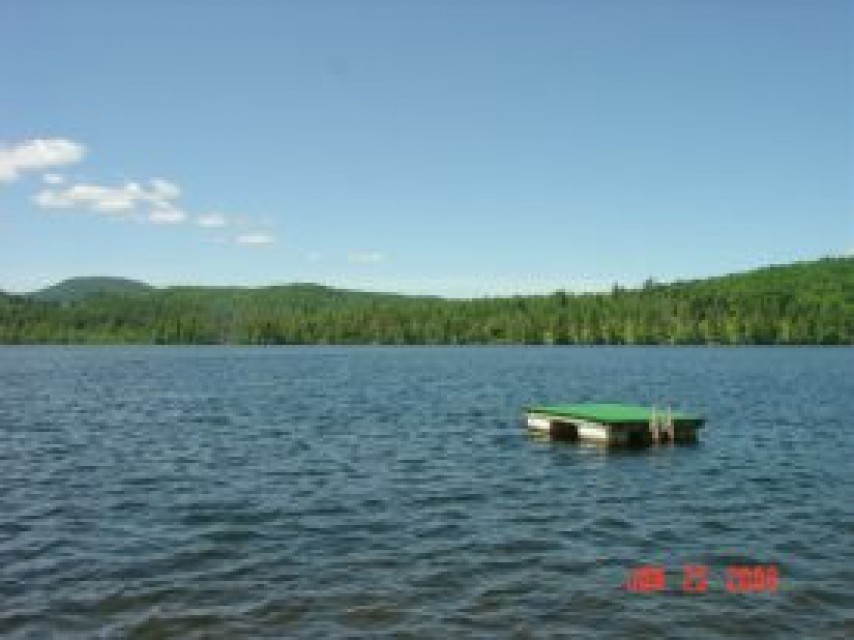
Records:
x=614, y=424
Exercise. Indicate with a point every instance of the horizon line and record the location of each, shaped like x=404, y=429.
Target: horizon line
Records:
x=530, y=288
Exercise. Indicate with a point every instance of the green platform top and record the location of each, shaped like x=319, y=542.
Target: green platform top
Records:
x=610, y=413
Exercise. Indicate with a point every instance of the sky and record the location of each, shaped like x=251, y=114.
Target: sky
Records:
x=461, y=148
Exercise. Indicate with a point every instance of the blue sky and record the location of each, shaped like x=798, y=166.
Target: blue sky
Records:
x=457, y=148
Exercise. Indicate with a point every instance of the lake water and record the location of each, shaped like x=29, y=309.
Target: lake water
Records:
x=392, y=492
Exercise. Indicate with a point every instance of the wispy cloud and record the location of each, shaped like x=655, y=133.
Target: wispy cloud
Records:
x=165, y=190
x=110, y=199
x=366, y=257
x=166, y=215
x=211, y=220
x=255, y=239
x=38, y=154
x=53, y=178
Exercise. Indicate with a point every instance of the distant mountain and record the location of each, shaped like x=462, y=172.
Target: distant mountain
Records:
x=800, y=303
x=76, y=289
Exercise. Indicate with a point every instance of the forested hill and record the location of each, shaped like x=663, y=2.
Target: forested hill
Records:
x=79, y=288
x=802, y=303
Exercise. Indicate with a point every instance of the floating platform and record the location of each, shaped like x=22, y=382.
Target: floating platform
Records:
x=614, y=424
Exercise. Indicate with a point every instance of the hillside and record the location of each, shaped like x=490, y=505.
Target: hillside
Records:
x=801, y=303
x=75, y=289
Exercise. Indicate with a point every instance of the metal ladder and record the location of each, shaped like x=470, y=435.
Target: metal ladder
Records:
x=661, y=427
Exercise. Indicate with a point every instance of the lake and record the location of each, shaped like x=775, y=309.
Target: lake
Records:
x=328, y=492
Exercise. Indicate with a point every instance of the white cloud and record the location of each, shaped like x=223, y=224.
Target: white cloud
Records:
x=166, y=215
x=366, y=257
x=38, y=154
x=53, y=178
x=154, y=202
x=211, y=220
x=48, y=199
x=164, y=190
x=255, y=239
x=109, y=199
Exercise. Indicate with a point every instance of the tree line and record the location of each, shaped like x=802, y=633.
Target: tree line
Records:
x=802, y=303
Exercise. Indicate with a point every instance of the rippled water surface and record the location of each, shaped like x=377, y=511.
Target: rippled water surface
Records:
x=392, y=492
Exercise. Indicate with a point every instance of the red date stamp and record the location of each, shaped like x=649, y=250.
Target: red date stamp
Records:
x=647, y=579
x=697, y=578
x=752, y=578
